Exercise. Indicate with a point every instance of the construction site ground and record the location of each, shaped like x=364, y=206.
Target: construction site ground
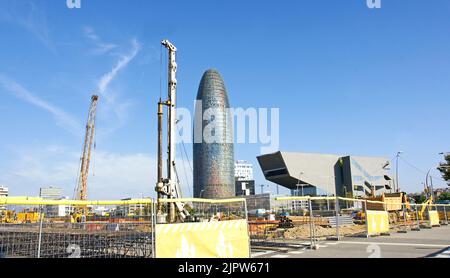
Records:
x=432, y=243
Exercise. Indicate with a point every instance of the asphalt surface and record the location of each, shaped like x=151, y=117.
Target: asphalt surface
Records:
x=432, y=243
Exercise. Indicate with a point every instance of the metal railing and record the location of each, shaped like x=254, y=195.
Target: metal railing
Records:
x=305, y=221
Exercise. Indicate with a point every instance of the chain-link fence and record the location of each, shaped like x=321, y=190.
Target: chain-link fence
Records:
x=305, y=221
x=286, y=223
x=199, y=210
x=74, y=229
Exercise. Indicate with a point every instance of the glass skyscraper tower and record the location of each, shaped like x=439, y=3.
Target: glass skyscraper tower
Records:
x=213, y=140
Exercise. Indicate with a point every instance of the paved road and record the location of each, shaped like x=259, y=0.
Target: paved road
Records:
x=433, y=243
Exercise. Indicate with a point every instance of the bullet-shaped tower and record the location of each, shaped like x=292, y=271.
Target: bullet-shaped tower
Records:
x=213, y=140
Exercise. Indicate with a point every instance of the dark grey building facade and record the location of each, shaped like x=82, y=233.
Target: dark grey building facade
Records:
x=213, y=151
x=245, y=188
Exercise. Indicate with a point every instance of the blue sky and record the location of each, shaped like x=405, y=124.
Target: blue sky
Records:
x=347, y=80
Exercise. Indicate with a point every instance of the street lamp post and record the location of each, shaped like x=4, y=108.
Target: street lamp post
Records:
x=262, y=188
x=396, y=172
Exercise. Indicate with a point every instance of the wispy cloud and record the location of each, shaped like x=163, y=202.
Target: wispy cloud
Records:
x=62, y=118
x=28, y=15
x=101, y=47
x=118, y=107
x=112, y=175
x=122, y=63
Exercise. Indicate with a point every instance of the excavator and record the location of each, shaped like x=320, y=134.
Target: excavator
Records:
x=427, y=204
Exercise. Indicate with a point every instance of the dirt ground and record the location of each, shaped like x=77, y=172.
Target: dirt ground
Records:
x=303, y=231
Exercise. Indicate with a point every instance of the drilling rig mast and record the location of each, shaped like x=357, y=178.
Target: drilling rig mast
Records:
x=169, y=187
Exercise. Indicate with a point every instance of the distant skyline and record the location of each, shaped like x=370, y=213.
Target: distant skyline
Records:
x=347, y=80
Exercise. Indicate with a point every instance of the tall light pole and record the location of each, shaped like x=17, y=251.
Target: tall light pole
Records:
x=262, y=187
x=396, y=172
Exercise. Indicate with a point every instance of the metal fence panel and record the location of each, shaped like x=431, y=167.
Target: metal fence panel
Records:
x=58, y=231
x=206, y=229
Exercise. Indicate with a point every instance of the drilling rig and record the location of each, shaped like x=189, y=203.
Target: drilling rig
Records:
x=85, y=160
x=169, y=187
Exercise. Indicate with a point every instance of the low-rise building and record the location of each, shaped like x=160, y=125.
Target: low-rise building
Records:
x=132, y=210
x=243, y=176
x=3, y=193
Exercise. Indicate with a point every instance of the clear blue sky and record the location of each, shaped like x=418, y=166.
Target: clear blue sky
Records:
x=347, y=80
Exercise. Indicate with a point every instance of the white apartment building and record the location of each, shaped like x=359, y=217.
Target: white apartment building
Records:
x=243, y=170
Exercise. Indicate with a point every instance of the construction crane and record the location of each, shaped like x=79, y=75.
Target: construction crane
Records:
x=86, y=156
x=169, y=187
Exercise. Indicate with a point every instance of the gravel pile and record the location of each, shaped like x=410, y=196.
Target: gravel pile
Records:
x=303, y=231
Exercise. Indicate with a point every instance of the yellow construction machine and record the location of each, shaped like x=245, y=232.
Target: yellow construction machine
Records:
x=396, y=204
x=28, y=217
x=7, y=216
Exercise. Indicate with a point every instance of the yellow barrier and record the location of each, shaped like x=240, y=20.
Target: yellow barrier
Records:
x=225, y=239
x=34, y=201
x=377, y=222
x=304, y=198
x=205, y=201
x=434, y=218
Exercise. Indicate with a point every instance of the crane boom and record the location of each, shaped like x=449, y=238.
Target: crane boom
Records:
x=87, y=150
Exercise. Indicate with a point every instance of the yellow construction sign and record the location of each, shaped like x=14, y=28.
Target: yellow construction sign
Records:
x=377, y=222
x=434, y=218
x=220, y=239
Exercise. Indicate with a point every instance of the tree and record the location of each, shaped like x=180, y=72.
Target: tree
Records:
x=419, y=199
x=444, y=196
x=446, y=170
